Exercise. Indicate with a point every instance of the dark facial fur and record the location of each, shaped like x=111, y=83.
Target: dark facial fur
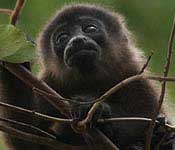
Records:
x=84, y=38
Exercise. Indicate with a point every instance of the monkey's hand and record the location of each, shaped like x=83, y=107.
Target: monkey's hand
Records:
x=80, y=112
x=103, y=111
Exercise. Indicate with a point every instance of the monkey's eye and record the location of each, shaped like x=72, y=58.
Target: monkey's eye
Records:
x=90, y=29
x=61, y=38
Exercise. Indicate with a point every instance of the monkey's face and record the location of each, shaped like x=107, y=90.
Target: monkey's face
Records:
x=83, y=38
x=78, y=43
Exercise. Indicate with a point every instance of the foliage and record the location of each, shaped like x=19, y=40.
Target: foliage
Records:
x=14, y=46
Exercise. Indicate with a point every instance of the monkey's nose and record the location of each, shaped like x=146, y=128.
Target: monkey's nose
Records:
x=79, y=41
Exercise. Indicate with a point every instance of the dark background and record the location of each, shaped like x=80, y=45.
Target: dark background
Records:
x=150, y=21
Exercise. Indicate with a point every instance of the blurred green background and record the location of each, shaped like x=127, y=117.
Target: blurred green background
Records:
x=149, y=20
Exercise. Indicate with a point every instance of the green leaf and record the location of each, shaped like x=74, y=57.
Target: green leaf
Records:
x=14, y=46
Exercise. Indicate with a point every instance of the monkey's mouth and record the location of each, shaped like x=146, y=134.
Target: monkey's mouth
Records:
x=84, y=56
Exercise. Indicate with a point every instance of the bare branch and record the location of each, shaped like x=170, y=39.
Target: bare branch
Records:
x=15, y=14
x=33, y=138
x=147, y=62
x=34, y=114
x=169, y=128
x=163, y=88
x=106, y=120
x=27, y=126
x=159, y=78
x=6, y=11
x=170, y=50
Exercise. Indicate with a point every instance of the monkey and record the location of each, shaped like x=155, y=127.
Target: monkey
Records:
x=84, y=51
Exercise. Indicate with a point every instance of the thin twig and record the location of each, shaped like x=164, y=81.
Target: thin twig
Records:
x=33, y=138
x=168, y=127
x=21, y=124
x=15, y=14
x=106, y=120
x=163, y=88
x=6, y=11
x=147, y=62
x=34, y=113
x=159, y=78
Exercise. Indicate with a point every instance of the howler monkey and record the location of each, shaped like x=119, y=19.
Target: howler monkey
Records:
x=84, y=51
